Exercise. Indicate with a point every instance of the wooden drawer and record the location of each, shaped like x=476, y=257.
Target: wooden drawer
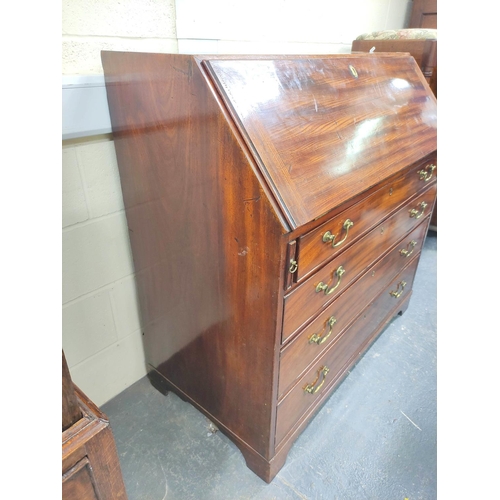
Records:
x=303, y=302
x=78, y=482
x=313, y=250
x=318, y=381
x=298, y=354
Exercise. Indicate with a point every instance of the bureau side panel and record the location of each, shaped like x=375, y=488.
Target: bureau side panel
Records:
x=205, y=240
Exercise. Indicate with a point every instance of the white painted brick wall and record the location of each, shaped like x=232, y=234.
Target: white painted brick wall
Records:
x=73, y=196
x=283, y=27
x=95, y=253
x=100, y=174
x=102, y=335
x=126, y=18
x=89, y=326
x=89, y=26
x=111, y=370
x=82, y=55
x=100, y=316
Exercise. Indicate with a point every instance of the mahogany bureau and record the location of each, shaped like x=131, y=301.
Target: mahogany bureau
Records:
x=276, y=207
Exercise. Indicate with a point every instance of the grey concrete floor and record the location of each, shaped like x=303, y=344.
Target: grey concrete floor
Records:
x=375, y=438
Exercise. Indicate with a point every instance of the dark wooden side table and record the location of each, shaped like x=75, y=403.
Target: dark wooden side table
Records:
x=90, y=465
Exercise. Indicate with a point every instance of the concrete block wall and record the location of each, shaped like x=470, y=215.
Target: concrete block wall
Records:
x=101, y=322
x=100, y=315
x=101, y=325
x=89, y=26
x=283, y=26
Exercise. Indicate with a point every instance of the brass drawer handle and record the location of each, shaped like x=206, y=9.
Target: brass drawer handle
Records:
x=328, y=237
x=397, y=293
x=417, y=213
x=293, y=266
x=323, y=287
x=317, y=338
x=309, y=388
x=426, y=173
x=409, y=249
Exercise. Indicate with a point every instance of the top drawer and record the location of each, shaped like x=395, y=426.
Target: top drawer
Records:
x=327, y=240
x=320, y=289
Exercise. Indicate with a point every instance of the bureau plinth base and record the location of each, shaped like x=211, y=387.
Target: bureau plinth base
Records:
x=159, y=382
x=263, y=468
x=268, y=469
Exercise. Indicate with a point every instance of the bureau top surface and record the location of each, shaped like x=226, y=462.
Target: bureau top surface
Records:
x=324, y=129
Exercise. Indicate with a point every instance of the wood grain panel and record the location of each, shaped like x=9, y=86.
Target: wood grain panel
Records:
x=90, y=462
x=340, y=354
x=313, y=251
x=424, y=14
x=312, y=123
x=303, y=302
x=71, y=412
x=218, y=256
x=226, y=162
x=299, y=353
x=78, y=484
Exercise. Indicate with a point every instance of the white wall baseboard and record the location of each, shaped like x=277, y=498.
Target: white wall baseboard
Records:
x=84, y=106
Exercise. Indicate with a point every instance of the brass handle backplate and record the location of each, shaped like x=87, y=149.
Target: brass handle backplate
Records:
x=426, y=173
x=309, y=388
x=323, y=287
x=316, y=338
x=416, y=213
x=328, y=237
x=397, y=293
x=406, y=252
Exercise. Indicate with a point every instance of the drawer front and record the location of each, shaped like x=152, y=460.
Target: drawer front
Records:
x=317, y=246
x=322, y=288
x=342, y=354
x=332, y=321
x=78, y=483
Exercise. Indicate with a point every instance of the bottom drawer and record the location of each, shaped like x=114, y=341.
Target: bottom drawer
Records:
x=78, y=483
x=344, y=352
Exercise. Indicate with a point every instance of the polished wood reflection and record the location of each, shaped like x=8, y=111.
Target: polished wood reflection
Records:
x=231, y=168
x=297, y=355
x=364, y=215
x=304, y=301
x=314, y=125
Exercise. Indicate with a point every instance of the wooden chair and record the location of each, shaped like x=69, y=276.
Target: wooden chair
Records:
x=421, y=44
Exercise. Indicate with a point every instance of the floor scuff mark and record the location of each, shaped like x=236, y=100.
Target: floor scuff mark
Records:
x=286, y=483
x=165, y=476
x=411, y=421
